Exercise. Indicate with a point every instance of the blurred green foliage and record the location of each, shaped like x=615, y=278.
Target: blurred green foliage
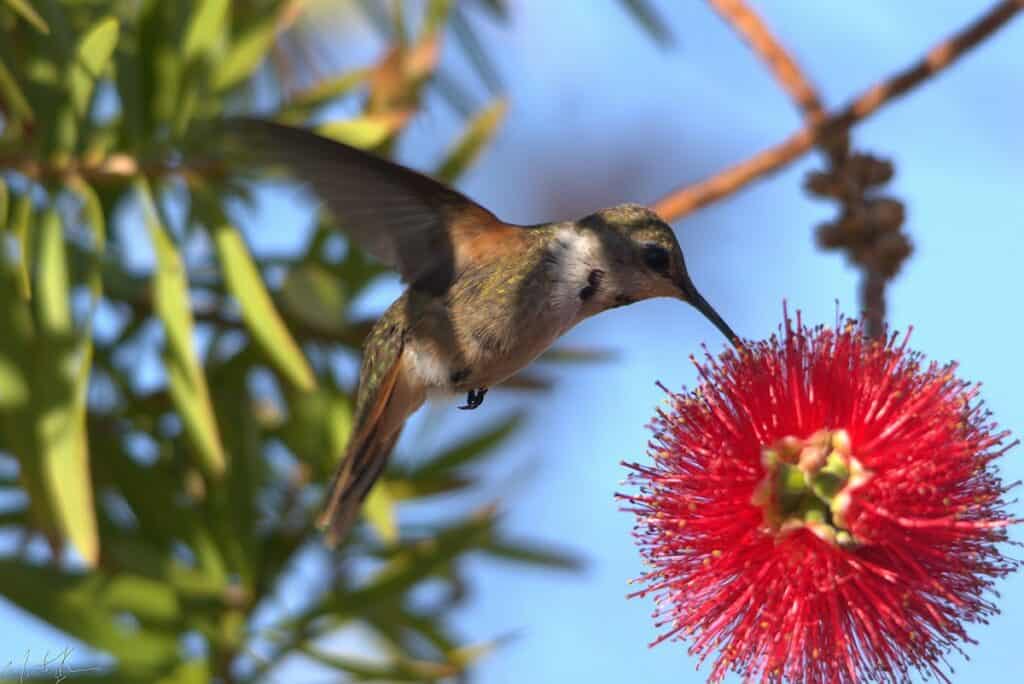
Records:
x=157, y=522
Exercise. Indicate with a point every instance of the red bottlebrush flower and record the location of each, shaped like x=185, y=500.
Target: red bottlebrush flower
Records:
x=823, y=508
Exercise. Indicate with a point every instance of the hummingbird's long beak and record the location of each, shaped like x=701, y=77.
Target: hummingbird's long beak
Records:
x=690, y=294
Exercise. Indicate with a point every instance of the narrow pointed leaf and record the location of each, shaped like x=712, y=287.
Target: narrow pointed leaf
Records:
x=92, y=215
x=497, y=8
x=649, y=20
x=529, y=381
x=52, y=278
x=17, y=518
x=186, y=380
x=476, y=447
x=13, y=95
x=327, y=90
x=380, y=512
x=63, y=383
x=365, y=131
x=80, y=605
x=20, y=220
x=318, y=428
x=437, y=12
x=393, y=670
x=16, y=392
x=474, y=49
x=246, y=54
x=205, y=27
x=91, y=58
x=28, y=13
x=533, y=554
x=414, y=563
x=192, y=400
x=315, y=296
x=195, y=671
x=258, y=311
x=403, y=488
x=14, y=386
x=566, y=354
x=235, y=502
x=476, y=136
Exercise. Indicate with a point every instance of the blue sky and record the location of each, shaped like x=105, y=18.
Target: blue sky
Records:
x=601, y=115
x=609, y=111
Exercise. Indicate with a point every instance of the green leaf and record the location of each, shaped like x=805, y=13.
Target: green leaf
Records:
x=245, y=55
x=366, y=131
x=323, y=92
x=497, y=8
x=474, y=49
x=477, y=134
x=152, y=602
x=235, y=504
x=91, y=58
x=380, y=512
x=645, y=15
x=61, y=412
x=435, y=15
x=196, y=671
x=92, y=213
x=315, y=296
x=16, y=518
x=565, y=354
x=261, y=317
x=414, y=562
x=149, y=491
x=476, y=447
x=17, y=345
x=533, y=554
x=85, y=606
x=395, y=669
x=13, y=95
x=14, y=386
x=404, y=488
x=20, y=222
x=185, y=378
x=318, y=428
x=205, y=27
x=192, y=400
x=29, y=14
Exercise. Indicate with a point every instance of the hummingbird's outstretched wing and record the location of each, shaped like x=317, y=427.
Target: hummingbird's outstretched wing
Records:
x=425, y=230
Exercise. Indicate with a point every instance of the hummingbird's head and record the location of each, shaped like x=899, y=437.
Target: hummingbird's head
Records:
x=646, y=260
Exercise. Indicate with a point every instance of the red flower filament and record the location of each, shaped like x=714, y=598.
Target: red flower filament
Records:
x=823, y=508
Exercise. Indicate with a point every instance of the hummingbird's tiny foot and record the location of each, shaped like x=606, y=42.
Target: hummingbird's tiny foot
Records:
x=474, y=398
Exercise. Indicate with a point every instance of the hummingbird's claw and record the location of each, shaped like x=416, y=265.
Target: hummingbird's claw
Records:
x=474, y=398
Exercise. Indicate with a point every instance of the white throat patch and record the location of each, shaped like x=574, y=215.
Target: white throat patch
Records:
x=575, y=255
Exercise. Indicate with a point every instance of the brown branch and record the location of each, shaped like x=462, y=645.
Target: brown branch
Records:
x=117, y=165
x=746, y=22
x=688, y=199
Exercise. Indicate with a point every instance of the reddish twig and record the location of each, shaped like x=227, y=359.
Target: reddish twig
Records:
x=746, y=22
x=114, y=166
x=688, y=199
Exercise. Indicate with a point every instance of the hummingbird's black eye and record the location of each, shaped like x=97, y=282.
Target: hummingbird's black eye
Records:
x=656, y=258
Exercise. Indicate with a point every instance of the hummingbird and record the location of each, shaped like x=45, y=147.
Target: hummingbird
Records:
x=484, y=298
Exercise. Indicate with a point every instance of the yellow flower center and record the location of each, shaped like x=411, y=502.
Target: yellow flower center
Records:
x=808, y=484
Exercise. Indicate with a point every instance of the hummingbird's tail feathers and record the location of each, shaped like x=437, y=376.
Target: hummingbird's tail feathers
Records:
x=362, y=465
x=367, y=451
